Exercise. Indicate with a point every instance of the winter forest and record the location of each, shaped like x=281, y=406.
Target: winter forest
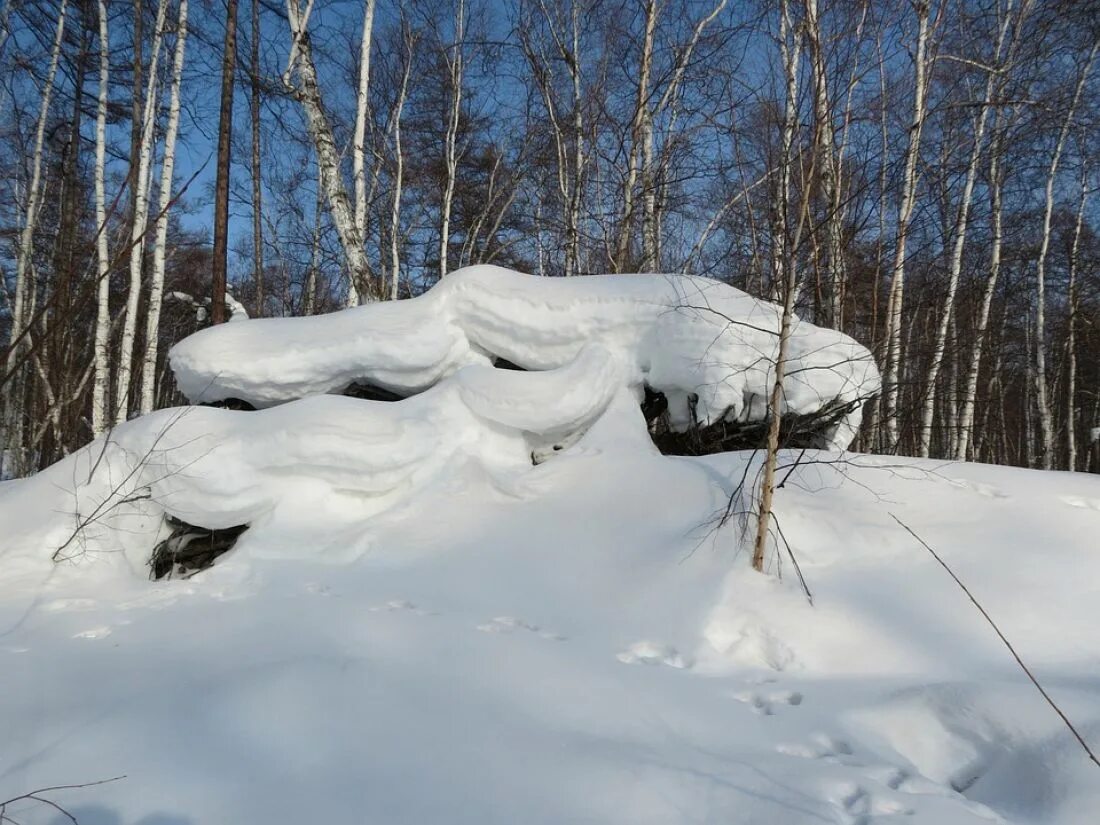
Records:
x=925, y=172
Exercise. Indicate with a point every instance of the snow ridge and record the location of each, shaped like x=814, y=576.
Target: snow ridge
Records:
x=690, y=338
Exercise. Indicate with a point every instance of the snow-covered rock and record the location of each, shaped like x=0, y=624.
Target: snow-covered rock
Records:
x=680, y=335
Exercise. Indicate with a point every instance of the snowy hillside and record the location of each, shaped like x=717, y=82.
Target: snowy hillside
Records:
x=496, y=602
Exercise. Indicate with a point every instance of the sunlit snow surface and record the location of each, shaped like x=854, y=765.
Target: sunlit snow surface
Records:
x=681, y=335
x=420, y=627
x=572, y=644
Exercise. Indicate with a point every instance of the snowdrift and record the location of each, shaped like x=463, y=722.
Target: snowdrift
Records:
x=428, y=622
x=689, y=338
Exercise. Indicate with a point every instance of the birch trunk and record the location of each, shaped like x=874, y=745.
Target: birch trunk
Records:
x=257, y=188
x=358, y=149
x=1046, y=426
x=34, y=192
x=328, y=158
x=102, y=376
x=835, y=269
x=895, y=302
x=156, y=285
x=398, y=175
x=786, y=272
x=450, y=147
x=954, y=271
x=137, y=231
x=1071, y=342
x=970, y=393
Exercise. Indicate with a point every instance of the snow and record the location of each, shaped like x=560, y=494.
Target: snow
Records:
x=494, y=601
x=567, y=642
x=680, y=335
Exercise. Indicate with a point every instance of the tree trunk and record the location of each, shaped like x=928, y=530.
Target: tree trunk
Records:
x=102, y=376
x=221, y=186
x=358, y=149
x=1046, y=425
x=257, y=189
x=786, y=273
x=328, y=158
x=891, y=385
x=450, y=149
x=156, y=285
x=140, y=218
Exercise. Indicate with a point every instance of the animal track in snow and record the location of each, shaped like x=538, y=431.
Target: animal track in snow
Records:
x=69, y=605
x=1081, y=502
x=766, y=705
x=987, y=490
x=856, y=804
x=510, y=624
x=654, y=653
x=93, y=633
x=820, y=746
x=396, y=605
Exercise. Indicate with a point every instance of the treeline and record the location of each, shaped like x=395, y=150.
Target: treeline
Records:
x=923, y=172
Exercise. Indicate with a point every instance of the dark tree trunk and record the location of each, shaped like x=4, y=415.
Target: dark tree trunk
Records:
x=221, y=191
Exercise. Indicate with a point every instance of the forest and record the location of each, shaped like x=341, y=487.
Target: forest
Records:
x=920, y=175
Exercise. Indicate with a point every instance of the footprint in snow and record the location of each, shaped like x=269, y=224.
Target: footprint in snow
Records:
x=855, y=804
x=397, y=605
x=510, y=624
x=654, y=653
x=987, y=490
x=1081, y=502
x=767, y=705
x=69, y=605
x=820, y=746
x=93, y=633
x=881, y=790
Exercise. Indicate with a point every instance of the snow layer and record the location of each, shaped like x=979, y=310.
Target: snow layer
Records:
x=311, y=465
x=681, y=335
x=569, y=643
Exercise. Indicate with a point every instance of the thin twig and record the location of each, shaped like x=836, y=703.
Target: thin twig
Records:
x=1007, y=643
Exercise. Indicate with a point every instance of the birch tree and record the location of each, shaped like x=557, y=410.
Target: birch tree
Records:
x=160, y=242
x=954, y=270
x=358, y=148
x=785, y=272
x=454, y=55
x=891, y=385
x=140, y=219
x=308, y=94
x=1042, y=398
x=399, y=165
x=102, y=376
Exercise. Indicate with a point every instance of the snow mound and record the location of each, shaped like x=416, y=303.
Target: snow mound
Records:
x=315, y=464
x=704, y=344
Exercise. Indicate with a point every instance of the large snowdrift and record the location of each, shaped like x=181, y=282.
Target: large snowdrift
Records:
x=576, y=647
x=680, y=335
x=305, y=467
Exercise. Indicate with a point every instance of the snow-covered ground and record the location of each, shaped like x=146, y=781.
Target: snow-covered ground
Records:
x=572, y=643
x=495, y=601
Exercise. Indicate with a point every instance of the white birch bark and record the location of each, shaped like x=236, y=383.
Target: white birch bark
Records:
x=455, y=65
x=970, y=392
x=835, y=269
x=891, y=384
x=786, y=273
x=34, y=192
x=324, y=144
x=1071, y=342
x=141, y=215
x=954, y=269
x=102, y=376
x=358, y=149
x=1046, y=424
x=156, y=285
x=398, y=174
